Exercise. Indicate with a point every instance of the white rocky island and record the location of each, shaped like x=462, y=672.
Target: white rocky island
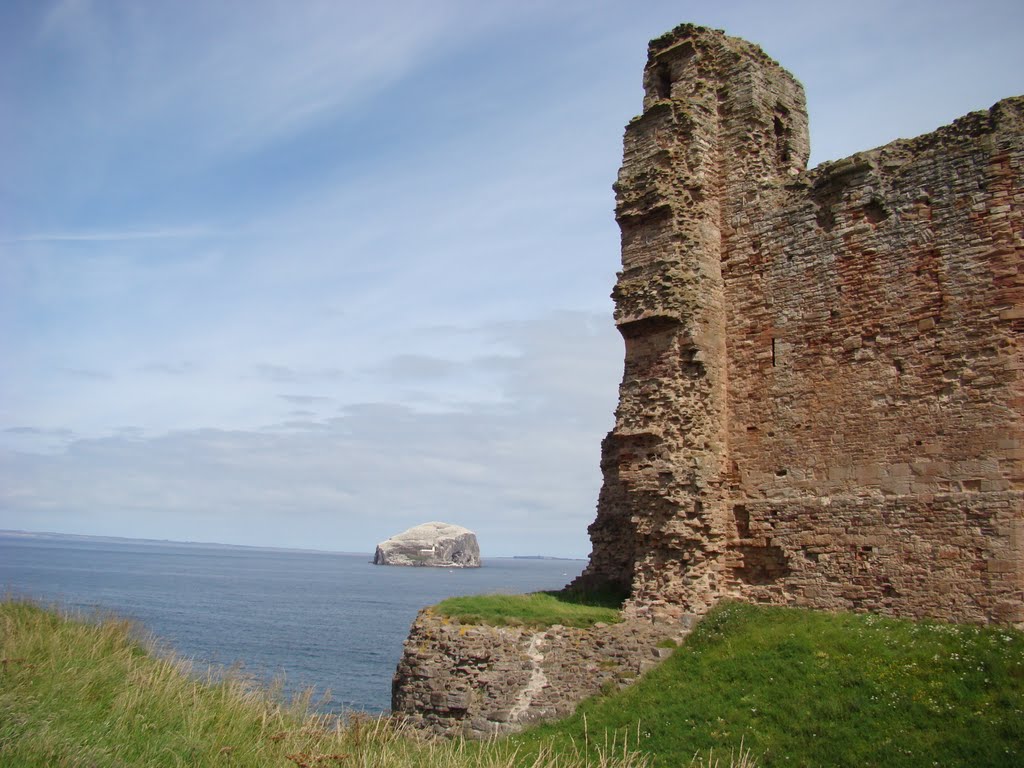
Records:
x=440, y=545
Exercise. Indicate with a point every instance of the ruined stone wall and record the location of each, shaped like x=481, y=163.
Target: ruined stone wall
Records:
x=477, y=681
x=717, y=113
x=822, y=398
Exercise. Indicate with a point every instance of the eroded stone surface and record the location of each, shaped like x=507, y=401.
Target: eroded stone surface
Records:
x=476, y=681
x=822, y=395
x=440, y=545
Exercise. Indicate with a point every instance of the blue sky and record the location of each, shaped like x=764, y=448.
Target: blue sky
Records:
x=309, y=273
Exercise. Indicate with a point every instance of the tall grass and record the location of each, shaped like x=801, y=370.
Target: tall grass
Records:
x=775, y=687
x=78, y=694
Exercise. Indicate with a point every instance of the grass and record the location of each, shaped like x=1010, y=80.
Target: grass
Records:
x=751, y=686
x=790, y=687
x=78, y=694
x=536, y=609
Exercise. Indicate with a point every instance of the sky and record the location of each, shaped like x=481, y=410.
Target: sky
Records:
x=305, y=274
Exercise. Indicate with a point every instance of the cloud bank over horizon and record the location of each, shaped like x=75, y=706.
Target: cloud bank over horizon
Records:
x=306, y=274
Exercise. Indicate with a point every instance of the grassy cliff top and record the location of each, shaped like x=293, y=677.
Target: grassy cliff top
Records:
x=785, y=687
x=796, y=687
x=536, y=609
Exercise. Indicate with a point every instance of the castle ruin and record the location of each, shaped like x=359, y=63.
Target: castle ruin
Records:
x=822, y=398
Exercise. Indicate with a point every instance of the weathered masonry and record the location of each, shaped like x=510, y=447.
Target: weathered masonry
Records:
x=822, y=398
x=478, y=681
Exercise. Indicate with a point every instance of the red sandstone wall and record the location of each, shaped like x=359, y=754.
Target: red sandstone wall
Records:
x=874, y=378
x=822, y=398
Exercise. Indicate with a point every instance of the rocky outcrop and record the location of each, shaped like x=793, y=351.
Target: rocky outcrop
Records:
x=440, y=545
x=478, y=681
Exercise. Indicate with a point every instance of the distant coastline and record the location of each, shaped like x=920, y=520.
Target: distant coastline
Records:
x=53, y=536
x=50, y=535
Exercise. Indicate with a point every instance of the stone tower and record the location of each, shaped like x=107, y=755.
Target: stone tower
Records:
x=723, y=127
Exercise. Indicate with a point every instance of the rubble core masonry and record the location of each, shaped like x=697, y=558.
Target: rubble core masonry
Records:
x=822, y=396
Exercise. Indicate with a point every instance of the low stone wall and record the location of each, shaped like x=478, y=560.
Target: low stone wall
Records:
x=476, y=681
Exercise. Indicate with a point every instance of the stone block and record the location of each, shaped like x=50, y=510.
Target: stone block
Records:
x=459, y=700
x=1003, y=566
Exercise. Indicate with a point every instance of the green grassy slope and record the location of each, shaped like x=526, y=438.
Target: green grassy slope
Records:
x=802, y=688
x=78, y=694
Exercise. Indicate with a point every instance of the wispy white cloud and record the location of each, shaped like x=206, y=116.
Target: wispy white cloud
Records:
x=362, y=474
x=235, y=78
x=306, y=399
x=175, y=368
x=190, y=233
x=35, y=431
x=418, y=367
x=88, y=373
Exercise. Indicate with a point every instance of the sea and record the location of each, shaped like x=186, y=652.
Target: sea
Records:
x=333, y=622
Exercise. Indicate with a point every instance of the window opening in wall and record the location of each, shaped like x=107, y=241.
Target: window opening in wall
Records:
x=780, y=124
x=875, y=211
x=781, y=140
x=773, y=351
x=742, y=517
x=663, y=82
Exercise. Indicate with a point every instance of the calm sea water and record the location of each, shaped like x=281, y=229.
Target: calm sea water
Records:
x=331, y=621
